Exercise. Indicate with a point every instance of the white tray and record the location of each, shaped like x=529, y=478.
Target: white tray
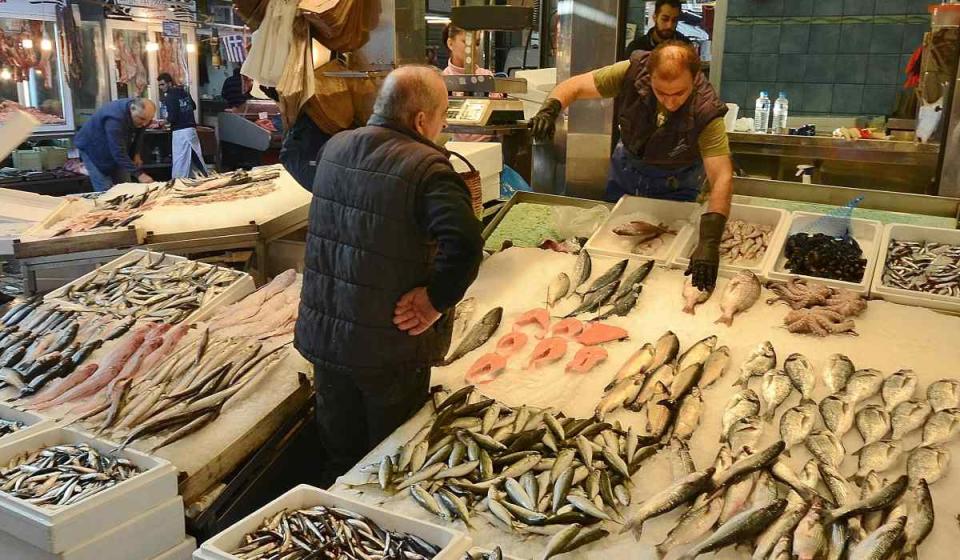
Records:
x=142, y=538
x=681, y=216
x=904, y=232
x=454, y=543
x=183, y=551
x=32, y=423
x=62, y=529
x=236, y=291
x=866, y=232
x=775, y=217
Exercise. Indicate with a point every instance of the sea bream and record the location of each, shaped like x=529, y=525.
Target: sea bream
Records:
x=740, y=294
x=797, y=423
x=693, y=296
x=762, y=359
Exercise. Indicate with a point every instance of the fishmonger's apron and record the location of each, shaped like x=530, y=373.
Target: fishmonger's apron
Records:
x=630, y=175
x=186, y=146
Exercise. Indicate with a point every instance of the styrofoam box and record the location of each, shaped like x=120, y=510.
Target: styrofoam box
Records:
x=775, y=217
x=487, y=157
x=680, y=216
x=904, y=232
x=32, y=423
x=141, y=538
x=61, y=529
x=453, y=543
x=240, y=288
x=183, y=551
x=866, y=232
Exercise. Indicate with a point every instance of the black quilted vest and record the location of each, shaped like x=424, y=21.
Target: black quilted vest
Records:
x=365, y=249
x=675, y=143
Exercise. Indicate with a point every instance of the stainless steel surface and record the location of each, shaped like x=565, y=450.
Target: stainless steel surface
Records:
x=829, y=148
x=489, y=129
x=238, y=130
x=949, y=178
x=398, y=38
x=538, y=198
x=485, y=84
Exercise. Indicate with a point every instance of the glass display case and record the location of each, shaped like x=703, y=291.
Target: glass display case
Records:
x=31, y=67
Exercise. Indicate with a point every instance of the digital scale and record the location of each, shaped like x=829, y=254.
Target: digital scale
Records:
x=483, y=111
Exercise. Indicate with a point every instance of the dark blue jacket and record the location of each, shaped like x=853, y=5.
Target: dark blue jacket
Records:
x=180, y=107
x=109, y=135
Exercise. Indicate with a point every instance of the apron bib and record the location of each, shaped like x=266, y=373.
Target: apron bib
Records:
x=630, y=176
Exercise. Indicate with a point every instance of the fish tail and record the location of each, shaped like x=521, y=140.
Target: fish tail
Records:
x=786, y=452
x=689, y=309
x=768, y=414
x=728, y=321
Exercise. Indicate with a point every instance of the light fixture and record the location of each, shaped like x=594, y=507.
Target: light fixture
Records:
x=46, y=45
x=191, y=48
x=152, y=47
x=39, y=72
x=27, y=43
x=5, y=74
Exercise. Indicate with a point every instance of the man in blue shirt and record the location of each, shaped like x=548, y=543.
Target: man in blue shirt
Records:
x=108, y=140
x=179, y=106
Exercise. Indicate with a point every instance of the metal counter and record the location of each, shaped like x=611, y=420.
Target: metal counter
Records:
x=889, y=152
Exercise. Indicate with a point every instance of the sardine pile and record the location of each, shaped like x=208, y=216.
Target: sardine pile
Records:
x=744, y=242
x=322, y=532
x=151, y=289
x=40, y=343
x=923, y=267
x=8, y=427
x=63, y=475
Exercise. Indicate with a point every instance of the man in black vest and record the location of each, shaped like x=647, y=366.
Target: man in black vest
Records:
x=666, y=16
x=392, y=245
x=671, y=129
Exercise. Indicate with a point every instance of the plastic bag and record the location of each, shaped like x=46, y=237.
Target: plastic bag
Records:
x=835, y=223
x=571, y=221
x=511, y=182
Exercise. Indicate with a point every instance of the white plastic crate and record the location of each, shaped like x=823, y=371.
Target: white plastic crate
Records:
x=775, y=217
x=141, y=538
x=236, y=291
x=183, y=551
x=904, y=232
x=679, y=216
x=32, y=423
x=866, y=232
x=453, y=543
x=61, y=529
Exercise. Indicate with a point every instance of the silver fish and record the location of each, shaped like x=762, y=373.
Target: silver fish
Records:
x=942, y=426
x=801, y=373
x=871, y=485
x=908, y=416
x=839, y=539
x=810, y=537
x=761, y=360
x=685, y=379
x=745, y=433
x=742, y=404
x=782, y=528
x=612, y=275
x=559, y=542
x=479, y=334
x=681, y=463
x=783, y=549
x=748, y=464
x=837, y=413
x=693, y=524
x=740, y=294
x=688, y=417
x=742, y=527
x=797, y=423
x=875, y=501
x=836, y=372
x=878, y=457
x=919, y=521
x=461, y=316
x=898, y=388
x=863, y=384
x=558, y=289
x=670, y=498
x=928, y=463
x=623, y=393
x=881, y=543
x=693, y=296
x=836, y=483
x=659, y=415
x=697, y=354
x=873, y=423
x=826, y=447
x=715, y=366
x=944, y=394
x=775, y=388
x=665, y=350
x=737, y=497
x=633, y=282
x=581, y=270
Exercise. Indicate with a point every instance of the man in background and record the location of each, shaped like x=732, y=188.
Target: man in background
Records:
x=109, y=143
x=666, y=16
x=236, y=89
x=179, y=106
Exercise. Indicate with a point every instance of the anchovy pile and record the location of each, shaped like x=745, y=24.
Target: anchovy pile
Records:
x=923, y=267
x=8, y=427
x=824, y=256
x=744, y=242
x=322, y=532
x=40, y=343
x=63, y=475
x=151, y=289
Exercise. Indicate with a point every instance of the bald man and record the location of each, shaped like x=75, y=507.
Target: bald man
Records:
x=109, y=142
x=671, y=129
x=392, y=245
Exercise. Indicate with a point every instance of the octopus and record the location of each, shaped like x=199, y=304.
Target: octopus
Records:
x=818, y=321
x=799, y=294
x=847, y=303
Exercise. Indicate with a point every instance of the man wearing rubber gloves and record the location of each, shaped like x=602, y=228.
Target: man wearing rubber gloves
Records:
x=671, y=127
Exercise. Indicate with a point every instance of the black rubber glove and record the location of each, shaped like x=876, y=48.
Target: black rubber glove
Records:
x=544, y=123
x=705, y=259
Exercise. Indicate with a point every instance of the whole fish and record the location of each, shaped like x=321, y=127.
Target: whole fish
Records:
x=944, y=394
x=869, y=521
x=761, y=360
x=741, y=528
x=581, y=270
x=641, y=231
x=801, y=374
x=742, y=404
x=638, y=363
x=612, y=274
x=839, y=540
x=559, y=542
x=898, y=388
x=920, y=519
x=782, y=472
x=928, y=463
x=873, y=423
x=836, y=372
x=558, y=289
x=593, y=300
x=623, y=393
x=837, y=413
x=621, y=307
x=745, y=433
x=688, y=417
x=633, y=282
x=775, y=388
x=659, y=411
x=878, y=457
x=737, y=497
x=686, y=379
x=863, y=384
x=797, y=423
x=782, y=528
x=665, y=350
x=810, y=536
x=681, y=463
x=942, y=426
x=478, y=335
x=693, y=524
x=715, y=366
x=663, y=374
x=693, y=296
x=670, y=498
x=880, y=544
x=826, y=447
x=908, y=416
x=748, y=464
x=836, y=483
x=876, y=501
x=697, y=354
x=740, y=294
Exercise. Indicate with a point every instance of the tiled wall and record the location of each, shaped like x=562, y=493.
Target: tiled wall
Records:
x=831, y=57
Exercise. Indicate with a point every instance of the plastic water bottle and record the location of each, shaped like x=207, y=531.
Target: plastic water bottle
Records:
x=780, y=109
x=761, y=116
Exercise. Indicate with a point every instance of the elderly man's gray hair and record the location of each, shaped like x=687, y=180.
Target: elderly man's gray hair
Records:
x=406, y=92
x=139, y=106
